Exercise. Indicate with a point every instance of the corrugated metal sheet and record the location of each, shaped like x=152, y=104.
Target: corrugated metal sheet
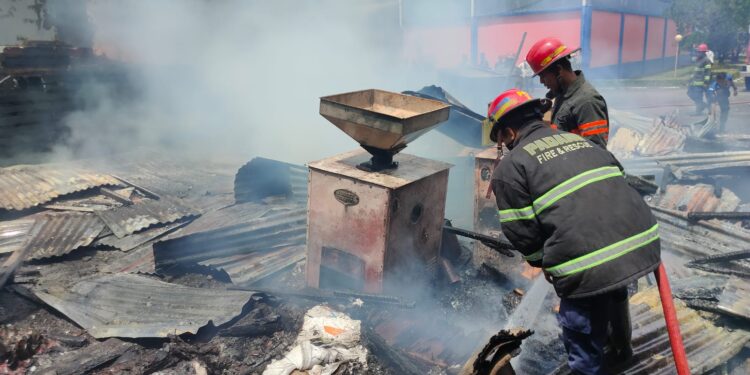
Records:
x=13, y=234
x=26, y=186
x=695, y=240
x=735, y=299
x=277, y=228
x=63, y=233
x=137, y=239
x=661, y=140
x=635, y=135
x=699, y=197
x=225, y=217
x=127, y=305
x=246, y=269
x=138, y=260
x=203, y=184
x=707, y=345
x=262, y=177
x=59, y=233
x=125, y=220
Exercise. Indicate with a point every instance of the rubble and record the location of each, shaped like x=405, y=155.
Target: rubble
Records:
x=27, y=186
x=127, y=305
x=708, y=346
x=126, y=220
x=201, y=268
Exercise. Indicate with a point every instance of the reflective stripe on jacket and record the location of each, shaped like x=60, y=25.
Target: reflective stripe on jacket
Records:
x=582, y=110
x=563, y=202
x=701, y=73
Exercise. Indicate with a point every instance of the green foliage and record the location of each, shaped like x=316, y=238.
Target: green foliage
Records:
x=722, y=24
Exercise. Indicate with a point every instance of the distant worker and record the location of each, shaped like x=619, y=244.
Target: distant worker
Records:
x=698, y=85
x=483, y=63
x=718, y=92
x=710, y=55
x=578, y=108
x=564, y=204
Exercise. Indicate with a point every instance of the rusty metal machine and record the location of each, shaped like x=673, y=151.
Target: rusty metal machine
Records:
x=375, y=218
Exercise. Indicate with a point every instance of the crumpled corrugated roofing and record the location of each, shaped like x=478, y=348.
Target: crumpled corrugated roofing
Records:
x=698, y=197
x=58, y=233
x=246, y=269
x=695, y=240
x=735, y=299
x=200, y=241
x=25, y=186
x=262, y=177
x=135, y=240
x=13, y=234
x=707, y=345
x=127, y=305
x=125, y=220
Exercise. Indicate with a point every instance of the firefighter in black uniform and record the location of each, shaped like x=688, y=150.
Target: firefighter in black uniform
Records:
x=563, y=202
x=579, y=108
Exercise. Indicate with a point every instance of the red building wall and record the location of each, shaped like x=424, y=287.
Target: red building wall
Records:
x=445, y=47
x=500, y=37
x=655, y=38
x=605, y=38
x=632, y=41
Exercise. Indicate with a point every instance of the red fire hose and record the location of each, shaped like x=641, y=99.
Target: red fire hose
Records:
x=673, y=326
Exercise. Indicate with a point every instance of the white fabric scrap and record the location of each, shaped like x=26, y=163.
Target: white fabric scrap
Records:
x=328, y=338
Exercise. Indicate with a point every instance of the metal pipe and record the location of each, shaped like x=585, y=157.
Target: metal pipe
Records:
x=518, y=53
x=673, y=325
x=695, y=216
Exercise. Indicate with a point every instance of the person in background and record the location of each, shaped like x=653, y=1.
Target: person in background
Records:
x=718, y=93
x=483, y=63
x=698, y=85
x=710, y=56
x=564, y=204
x=578, y=108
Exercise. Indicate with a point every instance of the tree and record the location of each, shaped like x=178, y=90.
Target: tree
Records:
x=722, y=24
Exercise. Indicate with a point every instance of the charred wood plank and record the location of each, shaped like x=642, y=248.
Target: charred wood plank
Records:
x=695, y=216
x=393, y=358
x=147, y=192
x=727, y=257
x=89, y=358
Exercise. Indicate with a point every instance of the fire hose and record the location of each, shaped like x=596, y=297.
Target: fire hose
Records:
x=673, y=326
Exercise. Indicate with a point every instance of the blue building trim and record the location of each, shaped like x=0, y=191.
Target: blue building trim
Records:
x=528, y=12
x=474, y=32
x=645, y=40
x=568, y=9
x=586, y=19
x=626, y=11
x=664, y=39
x=622, y=37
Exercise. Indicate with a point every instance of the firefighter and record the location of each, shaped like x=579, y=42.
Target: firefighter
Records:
x=698, y=85
x=718, y=92
x=564, y=204
x=578, y=107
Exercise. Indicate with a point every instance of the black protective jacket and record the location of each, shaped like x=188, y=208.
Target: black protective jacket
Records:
x=565, y=205
x=580, y=109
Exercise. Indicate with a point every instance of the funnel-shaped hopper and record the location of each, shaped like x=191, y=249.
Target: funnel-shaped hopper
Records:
x=383, y=122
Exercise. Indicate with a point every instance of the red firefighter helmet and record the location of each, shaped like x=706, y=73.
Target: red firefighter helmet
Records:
x=545, y=52
x=505, y=103
x=703, y=47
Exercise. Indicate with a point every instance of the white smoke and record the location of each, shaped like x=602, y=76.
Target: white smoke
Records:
x=238, y=77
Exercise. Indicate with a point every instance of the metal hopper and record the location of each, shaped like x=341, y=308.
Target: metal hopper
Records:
x=382, y=122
